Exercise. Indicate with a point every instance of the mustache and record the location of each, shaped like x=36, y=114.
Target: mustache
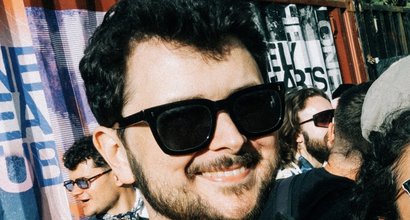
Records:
x=246, y=158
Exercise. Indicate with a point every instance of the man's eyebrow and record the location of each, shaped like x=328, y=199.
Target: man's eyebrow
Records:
x=244, y=87
x=201, y=96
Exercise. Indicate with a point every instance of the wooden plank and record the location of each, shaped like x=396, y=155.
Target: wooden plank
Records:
x=379, y=29
x=364, y=24
x=327, y=3
x=359, y=73
x=97, y=5
x=385, y=32
x=391, y=49
x=393, y=34
x=342, y=47
x=401, y=34
x=406, y=26
x=389, y=8
x=370, y=28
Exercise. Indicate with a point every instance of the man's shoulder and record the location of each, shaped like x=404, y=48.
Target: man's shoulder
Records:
x=323, y=195
x=315, y=193
x=318, y=183
x=306, y=194
x=320, y=175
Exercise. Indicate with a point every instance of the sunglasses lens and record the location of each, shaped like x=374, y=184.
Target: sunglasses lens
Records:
x=184, y=128
x=406, y=186
x=82, y=183
x=324, y=118
x=69, y=185
x=258, y=112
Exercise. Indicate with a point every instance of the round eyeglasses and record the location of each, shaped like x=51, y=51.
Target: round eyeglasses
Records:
x=82, y=183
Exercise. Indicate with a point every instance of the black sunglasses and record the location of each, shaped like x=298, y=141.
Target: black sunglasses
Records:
x=82, y=183
x=187, y=126
x=321, y=119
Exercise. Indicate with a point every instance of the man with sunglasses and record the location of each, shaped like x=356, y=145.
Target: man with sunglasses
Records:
x=178, y=90
x=303, y=136
x=324, y=193
x=96, y=188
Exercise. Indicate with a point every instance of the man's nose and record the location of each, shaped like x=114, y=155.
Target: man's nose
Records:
x=77, y=190
x=227, y=135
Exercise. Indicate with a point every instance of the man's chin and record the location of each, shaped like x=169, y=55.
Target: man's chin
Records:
x=247, y=198
x=236, y=194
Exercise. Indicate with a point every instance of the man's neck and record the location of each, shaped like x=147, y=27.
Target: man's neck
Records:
x=347, y=166
x=125, y=202
x=152, y=213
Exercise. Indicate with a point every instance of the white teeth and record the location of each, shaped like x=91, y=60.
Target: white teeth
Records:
x=224, y=173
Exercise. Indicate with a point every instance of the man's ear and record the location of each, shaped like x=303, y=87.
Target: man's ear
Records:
x=113, y=151
x=300, y=138
x=330, y=135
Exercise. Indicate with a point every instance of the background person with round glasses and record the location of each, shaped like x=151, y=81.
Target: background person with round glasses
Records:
x=96, y=188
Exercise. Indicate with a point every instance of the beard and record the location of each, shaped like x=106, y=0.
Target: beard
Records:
x=317, y=148
x=182, y=203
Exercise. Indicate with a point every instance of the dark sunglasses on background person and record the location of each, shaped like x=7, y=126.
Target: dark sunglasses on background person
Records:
x=321, y=119
x=187, y=126
x=82, y=183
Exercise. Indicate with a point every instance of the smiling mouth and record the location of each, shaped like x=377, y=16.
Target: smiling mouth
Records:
x=226, y=175
x=226, y=169
x=234, y=172
x=83, y=201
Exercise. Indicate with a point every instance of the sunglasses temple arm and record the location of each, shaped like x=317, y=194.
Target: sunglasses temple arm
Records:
x=304, y=122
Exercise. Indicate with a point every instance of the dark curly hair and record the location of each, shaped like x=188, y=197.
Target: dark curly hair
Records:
x=348, y=132
x=295, y=101
x=80, y=151
x=375, y=194
x=207, y=25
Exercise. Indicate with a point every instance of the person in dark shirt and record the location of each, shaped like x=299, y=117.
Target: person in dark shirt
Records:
x=324, y=193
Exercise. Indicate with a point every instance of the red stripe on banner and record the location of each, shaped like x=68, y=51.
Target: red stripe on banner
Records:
x=95, y=5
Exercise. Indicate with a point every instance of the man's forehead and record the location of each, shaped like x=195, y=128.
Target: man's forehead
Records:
x=317, y=101
x=159, y=73
x=314, y=105
x=84, y=169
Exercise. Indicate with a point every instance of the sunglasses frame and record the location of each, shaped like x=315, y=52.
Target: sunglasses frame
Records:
x=150, y=115
x=316, y=116
x=87, y=180
x=405, y=189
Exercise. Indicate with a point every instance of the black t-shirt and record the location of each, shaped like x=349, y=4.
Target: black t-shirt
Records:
x=316, y=194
